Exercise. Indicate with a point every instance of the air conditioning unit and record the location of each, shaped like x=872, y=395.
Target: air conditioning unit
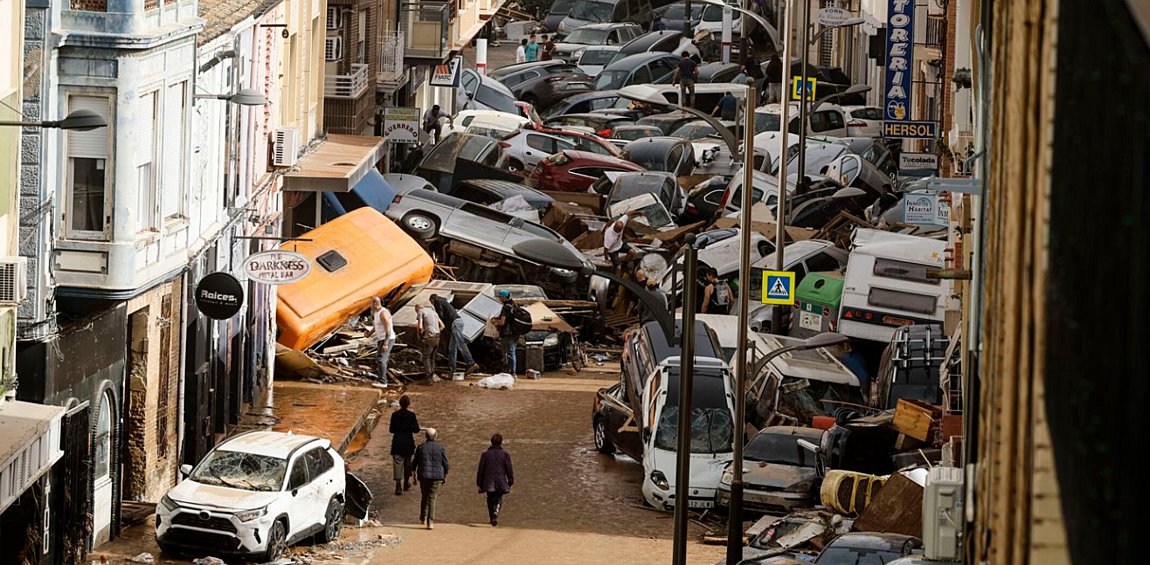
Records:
x=333, y=49
x=13, y=280
x=942, y=514
x=333, y=19
x=285, y=147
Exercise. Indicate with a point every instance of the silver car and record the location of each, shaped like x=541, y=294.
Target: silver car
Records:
x=427, y=214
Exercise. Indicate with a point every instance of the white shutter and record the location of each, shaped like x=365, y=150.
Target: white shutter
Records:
x=333, y=18
x=94, y=143
x=172, y=165
x=146, y=139
x=333, y=49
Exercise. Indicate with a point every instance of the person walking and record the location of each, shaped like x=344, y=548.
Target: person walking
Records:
x=429, y=326
x=507, y=337
x=384, y=333
x=532, y=49
x=404, y=425
x=431, y=123
x=716, y=295
x=548, y=49
x=431, y=468
x=726, y=107
x=685, y=75
x=774, y=78
x=456, y=342
x=495, y=476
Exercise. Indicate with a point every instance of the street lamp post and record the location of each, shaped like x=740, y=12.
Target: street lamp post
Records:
x=79, y=120
x=686, y=384
x=735, y=519
x=784, y=138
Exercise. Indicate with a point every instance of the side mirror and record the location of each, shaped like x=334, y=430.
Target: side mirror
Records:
x=185, y=470
x=295, y=492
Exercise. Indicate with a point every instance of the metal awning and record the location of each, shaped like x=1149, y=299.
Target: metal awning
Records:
x=337, y=165
x=29, y=446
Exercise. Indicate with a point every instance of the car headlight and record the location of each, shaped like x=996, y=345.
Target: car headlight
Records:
x=660, y=480
x=551, y=340
x=168, y=503
x=249, y=515
x=728, y=476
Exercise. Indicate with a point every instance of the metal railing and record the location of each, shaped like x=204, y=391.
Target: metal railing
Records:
x=391, y=50
x=426, y=27
x=346, y=86
x=935, y=30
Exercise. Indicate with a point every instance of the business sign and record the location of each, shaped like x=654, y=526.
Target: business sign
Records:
x=796, y=88
x=910, y=130
x=917, y=164
x=219, y=296
x=277, y=267
x=447, y=75
x=779, y=287
x=401, y=125
x=925, y=208
x=833, y=17
x=899, y=60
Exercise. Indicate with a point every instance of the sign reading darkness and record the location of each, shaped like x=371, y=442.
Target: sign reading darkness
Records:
x=219, y=296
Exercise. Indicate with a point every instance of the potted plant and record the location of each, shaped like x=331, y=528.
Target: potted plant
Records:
x=961, y=78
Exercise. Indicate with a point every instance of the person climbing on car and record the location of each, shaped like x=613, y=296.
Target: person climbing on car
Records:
x=717, y=295
x=403, y=427
x=512, y=322
x=613, y=240
x=431, y=123
x=383, y=332
x=495, y=476
x=456, y=343
x=727, y=106
x=685, y=75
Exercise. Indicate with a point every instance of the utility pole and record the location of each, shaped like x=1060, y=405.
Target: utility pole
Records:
x=801, y=173
x=744, y=31
x=784, y=139
x=686, y=384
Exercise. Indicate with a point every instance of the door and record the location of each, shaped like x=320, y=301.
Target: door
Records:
x=103, y=448
x=70, y=527
x=321, y=469
x=302, y=512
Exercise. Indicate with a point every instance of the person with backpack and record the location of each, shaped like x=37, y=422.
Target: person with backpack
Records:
x=717, y=295
x=512, y=322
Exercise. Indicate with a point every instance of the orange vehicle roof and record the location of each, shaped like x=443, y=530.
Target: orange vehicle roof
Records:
x=380, y=257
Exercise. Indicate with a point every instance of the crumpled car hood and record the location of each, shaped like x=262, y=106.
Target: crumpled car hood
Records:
x=774, y=476
x=192, y=493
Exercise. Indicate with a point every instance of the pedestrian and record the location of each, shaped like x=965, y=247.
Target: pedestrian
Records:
x=507, y=337
x=429, y=326
x=548, y=49
x=431, y=123
x=613, y=243
x=685, y=75
x=456, y=343
x=384, y=333
x=652, y=288
x=521, y=51
x=774, y=78
x=431, y=469
x=532, y=49
x=716, y=294
x=404, y=425
x=495, y=476
x=754, y=72
x=726, y=107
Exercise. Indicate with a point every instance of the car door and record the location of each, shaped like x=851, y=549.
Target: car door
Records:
x=301, y=511
x=539, y=146
x=468, y=84
x=321, y=468
x=661, y=68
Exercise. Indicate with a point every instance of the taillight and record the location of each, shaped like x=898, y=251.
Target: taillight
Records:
x=604, y=132
x=396, y=199
x=554, y=79
x=856, y=124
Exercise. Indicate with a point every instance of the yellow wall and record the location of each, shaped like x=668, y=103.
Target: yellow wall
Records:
x=11, y=71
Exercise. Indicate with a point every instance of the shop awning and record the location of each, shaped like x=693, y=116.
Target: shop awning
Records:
x=29, y=446
x=337, y=165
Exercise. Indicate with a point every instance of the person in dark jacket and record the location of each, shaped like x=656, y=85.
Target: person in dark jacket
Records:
x=431, y=468
x=403, y=428
x=458, y=343
x=495, y=476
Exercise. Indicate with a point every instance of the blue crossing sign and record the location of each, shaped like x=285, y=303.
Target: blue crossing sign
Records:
x=779, y=288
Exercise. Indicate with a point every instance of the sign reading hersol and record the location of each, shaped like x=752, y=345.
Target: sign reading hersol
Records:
x=910, y=130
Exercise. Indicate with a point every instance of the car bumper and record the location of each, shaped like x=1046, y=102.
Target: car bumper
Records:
x=769, y=501
x=186, y=528
x=700, y=498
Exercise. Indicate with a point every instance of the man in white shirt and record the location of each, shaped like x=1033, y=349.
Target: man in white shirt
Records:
x=613, y=244
x=428, y=324
x=521, y=52
x=384, y=334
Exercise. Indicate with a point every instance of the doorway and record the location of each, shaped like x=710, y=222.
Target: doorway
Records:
x=103, y=443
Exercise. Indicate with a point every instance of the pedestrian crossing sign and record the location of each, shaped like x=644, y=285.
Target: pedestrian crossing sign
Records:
x=779, y=287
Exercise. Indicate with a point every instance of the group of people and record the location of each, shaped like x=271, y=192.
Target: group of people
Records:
x=530, y=50
x=428, y=464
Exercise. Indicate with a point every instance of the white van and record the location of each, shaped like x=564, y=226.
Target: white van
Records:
x=886, y=284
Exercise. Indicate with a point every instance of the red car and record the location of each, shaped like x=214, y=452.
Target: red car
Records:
x=574, y=171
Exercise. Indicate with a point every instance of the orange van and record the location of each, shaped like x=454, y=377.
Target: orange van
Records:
x=353, y=257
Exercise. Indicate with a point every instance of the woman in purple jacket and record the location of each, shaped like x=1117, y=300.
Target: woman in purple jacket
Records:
x=495, y=476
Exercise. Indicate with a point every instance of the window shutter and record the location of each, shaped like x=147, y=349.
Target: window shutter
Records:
x=146, y=140
x=333, y=49
x=94, y=143
x=172, y=163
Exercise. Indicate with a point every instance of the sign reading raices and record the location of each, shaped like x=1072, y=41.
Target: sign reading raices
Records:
x=899, y=60
x=401, y=125
x=219, y=296
x=277, y=267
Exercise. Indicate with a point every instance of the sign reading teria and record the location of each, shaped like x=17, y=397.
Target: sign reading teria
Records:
x=833, y=17
x=899, y=60
x=401, y=125
x=447, y=75
x=219, y=296
x=917, y=164
x=277, y=267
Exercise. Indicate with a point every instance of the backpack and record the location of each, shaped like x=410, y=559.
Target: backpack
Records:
x=520, y=320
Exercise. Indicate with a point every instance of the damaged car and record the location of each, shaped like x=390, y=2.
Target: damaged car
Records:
x=780, y=475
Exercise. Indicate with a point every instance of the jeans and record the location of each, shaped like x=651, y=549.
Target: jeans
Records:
x=686, y=92
x=428, y=489
x=430, y=344
x=494, y=503
x=774, y=92
x=508, y=343
x=401, y=467
x=384, y=355
x=458, y=345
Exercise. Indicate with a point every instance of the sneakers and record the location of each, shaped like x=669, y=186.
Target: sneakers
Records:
x=398, y=488
x=494, y=519
x=430, y=526
x=474, y=367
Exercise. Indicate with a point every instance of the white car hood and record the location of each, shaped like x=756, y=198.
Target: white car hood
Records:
x=192, y=493
x=706, y=469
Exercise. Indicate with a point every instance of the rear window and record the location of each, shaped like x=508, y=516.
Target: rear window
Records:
x=596, y=57
x=900, y=300
x=496, y=100
x=903, y=270
x=867, y=113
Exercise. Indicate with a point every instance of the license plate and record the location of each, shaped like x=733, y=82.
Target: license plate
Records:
x=810, y=321
x=700, y=504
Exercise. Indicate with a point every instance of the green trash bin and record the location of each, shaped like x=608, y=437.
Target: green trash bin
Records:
x=817, y=303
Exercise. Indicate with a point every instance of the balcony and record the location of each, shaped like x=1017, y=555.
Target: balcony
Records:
x=391, y=51
x=427, y=27
x=346, y=86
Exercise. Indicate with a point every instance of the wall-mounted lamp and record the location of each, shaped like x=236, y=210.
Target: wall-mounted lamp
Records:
x=80, y=120
x=242, y=97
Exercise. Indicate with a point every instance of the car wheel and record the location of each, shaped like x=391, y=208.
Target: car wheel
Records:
x=515, y=166
x=334, y=521
x=421, y=225
x=277, y=541
x=166, y=549
x=602, y=444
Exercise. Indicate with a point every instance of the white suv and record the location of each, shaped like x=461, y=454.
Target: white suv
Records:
x=255, y=494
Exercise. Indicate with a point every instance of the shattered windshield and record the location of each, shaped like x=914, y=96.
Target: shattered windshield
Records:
x=592, y=11
x=804, y=399
x=712, y=426
x=239, y=470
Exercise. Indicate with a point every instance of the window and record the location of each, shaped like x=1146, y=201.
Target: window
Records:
x=898, y=300
x=661, y=68
x=361, y=39
x=600, y=103
x=145, y=159
x=299, y=474
x=88, y=171
x=172, y=180
x=902, y=270
x=673, y=158
x=826, y=121
x=319, y=461
x=822, y=262
x=867, y=113
x=542, y=143
x=102, y=442
x=642, y=76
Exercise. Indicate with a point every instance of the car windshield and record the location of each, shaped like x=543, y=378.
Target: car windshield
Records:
x=694, y=131
x=712, y=427
x=856, y=556
x=766, y=122
x=595, y=56
x=587, y=36
x=246, y=471
x=612, y=80
x=522, y=291
x=650, y=160
x=561, y=6
x=631, y=134
x=781, y=449
x=630, y=186
x=496, y=100
x=713, y=13
x=592, y=11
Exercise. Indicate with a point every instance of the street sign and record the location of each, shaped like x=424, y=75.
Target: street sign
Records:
x=447, y=75
x=909, y=130
x=277, y=267
x=812, y=87
x=219, y=296
x=917, y=164
x=833, y=17
x=925, y=208
x=779, y=287
x=401, y=125
x=899, y=60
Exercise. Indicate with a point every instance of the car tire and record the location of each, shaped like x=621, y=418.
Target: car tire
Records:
x=515, y=166
x=333, y=521
x=277, y=541
x=421, y=225
x=166, y=549
x=602, y=444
